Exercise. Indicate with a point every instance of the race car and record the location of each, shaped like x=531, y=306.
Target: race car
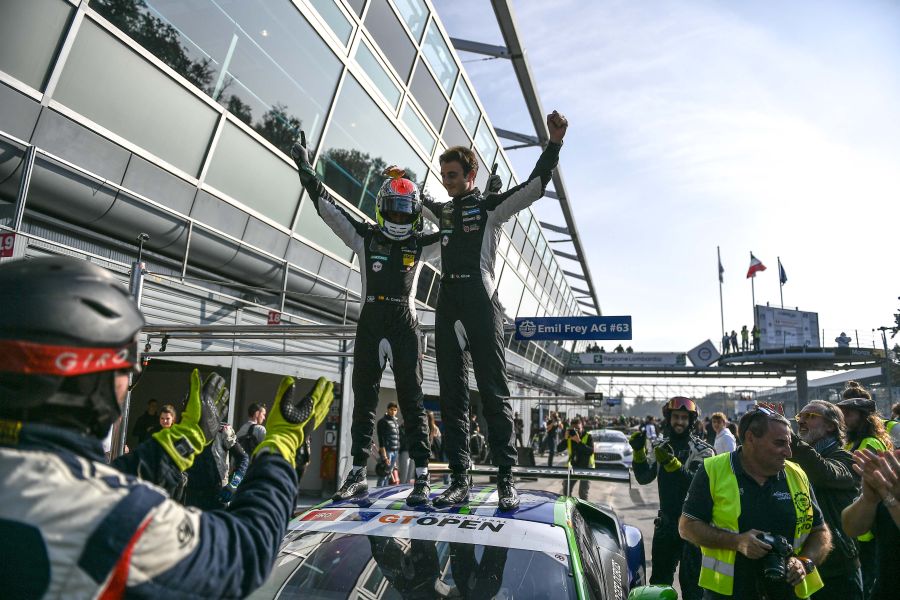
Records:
x=552, y=546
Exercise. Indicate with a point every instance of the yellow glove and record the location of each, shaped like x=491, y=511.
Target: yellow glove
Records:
x=638, y=442
x=290, y=414
x=666, y=459
x=200, y=420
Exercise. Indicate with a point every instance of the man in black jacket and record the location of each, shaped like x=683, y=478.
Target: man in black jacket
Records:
x=389, y=441
x=469, y=318
x=818, y=449
x=674, y=462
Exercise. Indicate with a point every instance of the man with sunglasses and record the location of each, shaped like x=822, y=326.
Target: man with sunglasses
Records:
x=391, y=254
x=75, y=527
x=675, y=459
x=755, y=490
x=818, y=449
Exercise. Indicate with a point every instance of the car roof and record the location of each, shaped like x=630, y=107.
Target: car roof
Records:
x=537, y=506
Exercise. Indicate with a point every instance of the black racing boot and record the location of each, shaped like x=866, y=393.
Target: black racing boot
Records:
x=457, y=493
x=355, y=485
x=420, y=492
x=506, y=490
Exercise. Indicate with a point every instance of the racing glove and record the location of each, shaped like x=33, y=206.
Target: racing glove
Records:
x=300, y=154
x=290, y=414
x=666, y=459
x=494, y=183
x=638, y=443
x=227, y=491
x=200, y=420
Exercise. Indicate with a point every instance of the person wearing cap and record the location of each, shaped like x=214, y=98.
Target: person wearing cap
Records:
x=865, y=430
x=878, y=509
x=76, y=527
x=391, y=254
x=755, y=490
x=676, y=457
x=818, y=449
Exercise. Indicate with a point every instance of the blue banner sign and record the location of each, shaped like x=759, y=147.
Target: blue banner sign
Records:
x=573, y=328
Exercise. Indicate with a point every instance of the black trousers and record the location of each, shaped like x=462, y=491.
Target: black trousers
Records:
x=668, y=551
x=388, y=332
x=468, y=322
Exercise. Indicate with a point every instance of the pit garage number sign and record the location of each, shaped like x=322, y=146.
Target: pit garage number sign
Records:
x=573, y=328
x=7, y=244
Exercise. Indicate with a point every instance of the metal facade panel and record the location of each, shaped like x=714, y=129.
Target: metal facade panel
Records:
x=68, y=140
x=18, y=113
x=58, y=191
x=265, y=237
x=153, y=182
x=219, y=214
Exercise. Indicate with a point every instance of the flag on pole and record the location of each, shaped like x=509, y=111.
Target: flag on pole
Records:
x=755, y=266
x=782, y=276
x=721, y=271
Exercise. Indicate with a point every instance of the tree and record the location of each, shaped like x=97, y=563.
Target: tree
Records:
x=279, y=127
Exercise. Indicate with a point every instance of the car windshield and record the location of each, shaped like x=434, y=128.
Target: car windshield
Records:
x=608, y=435
x=335, y=565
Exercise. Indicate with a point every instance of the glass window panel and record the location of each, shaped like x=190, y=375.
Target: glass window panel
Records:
x=454, y=134
x=529, y=305
x=419, y=129
x=439, y=57
x=361, y=142
x=111, y=85
x=374, y=71
x=524, y=217
x=261, y=60
x=523, y=268
x=424, y=284
x=503, y=246
x=535, y=262
x=509, y=291
x=428, y=95
x=482, y=175
x=335, y=18
x=484, y=141
x=357, y=5
x=541, y=246
x=530, y=281
x=503, y=170
x=464, y=103
x=314, y=229
x=415, y=13
x=534, y=230
x=518, y=237
x=527, y=253
x=273, y=189
x=509, y=226
x=391, y=37
x=30, y=35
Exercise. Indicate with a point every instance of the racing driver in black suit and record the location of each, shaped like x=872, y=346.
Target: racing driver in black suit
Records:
x=391, y=255
x=469, y=316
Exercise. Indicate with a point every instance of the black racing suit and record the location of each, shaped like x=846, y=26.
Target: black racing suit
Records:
x=668, y=547
x=469, y=316
x=388, y=326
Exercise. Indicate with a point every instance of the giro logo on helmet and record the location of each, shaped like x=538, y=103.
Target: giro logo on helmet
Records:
x=31, y=358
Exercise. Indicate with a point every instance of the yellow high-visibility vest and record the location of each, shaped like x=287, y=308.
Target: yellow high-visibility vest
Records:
x=717, y=567
x=584, y=439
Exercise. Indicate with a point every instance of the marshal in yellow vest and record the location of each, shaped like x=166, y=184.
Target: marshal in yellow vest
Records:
x=717, y=569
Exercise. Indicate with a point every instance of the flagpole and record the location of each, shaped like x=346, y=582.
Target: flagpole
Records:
x=780, y=283
x=753, y=286
x=721, y=304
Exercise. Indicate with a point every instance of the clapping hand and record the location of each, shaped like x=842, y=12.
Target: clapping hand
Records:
x=880, y=473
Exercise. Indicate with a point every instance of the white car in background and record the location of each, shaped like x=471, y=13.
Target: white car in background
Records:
x=611, y=446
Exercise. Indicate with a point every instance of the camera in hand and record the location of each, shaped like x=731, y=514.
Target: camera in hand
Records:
x=572, y=433
x=774, y=564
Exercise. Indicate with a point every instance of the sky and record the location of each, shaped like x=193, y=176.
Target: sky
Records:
x=763, y=126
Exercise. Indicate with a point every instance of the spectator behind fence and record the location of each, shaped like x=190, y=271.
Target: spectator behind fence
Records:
x=725, y=441
x=818, y=449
